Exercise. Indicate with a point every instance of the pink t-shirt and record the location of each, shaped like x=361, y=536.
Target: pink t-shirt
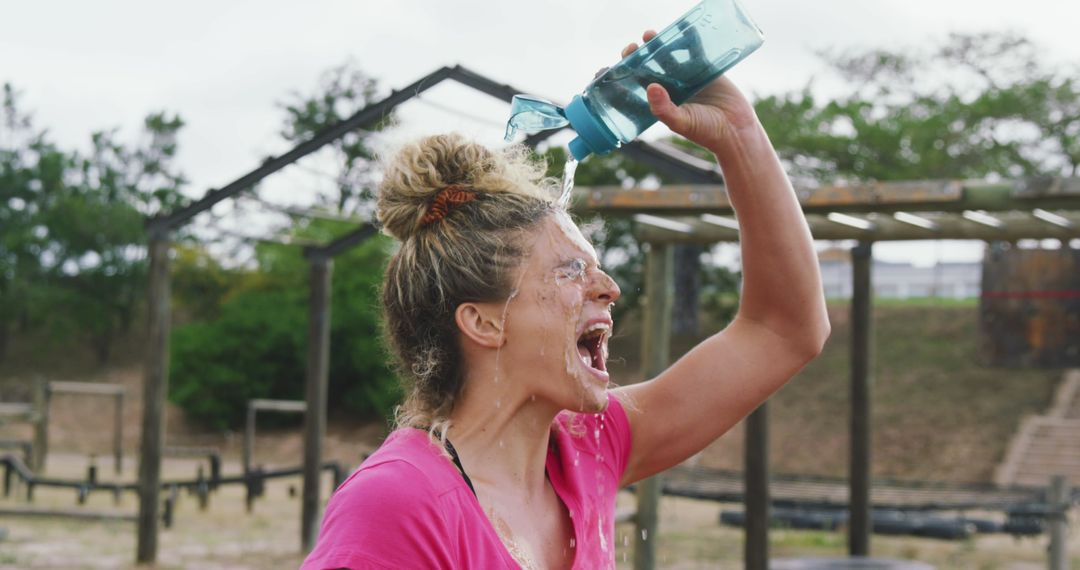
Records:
x=407, y=506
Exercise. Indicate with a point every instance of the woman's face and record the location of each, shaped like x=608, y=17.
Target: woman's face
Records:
x=558, y=322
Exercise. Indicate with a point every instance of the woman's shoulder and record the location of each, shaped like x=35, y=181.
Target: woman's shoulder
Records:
x=390, y=512
x=407, y=464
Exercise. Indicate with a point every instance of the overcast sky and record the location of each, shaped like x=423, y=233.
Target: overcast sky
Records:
x=224, y=66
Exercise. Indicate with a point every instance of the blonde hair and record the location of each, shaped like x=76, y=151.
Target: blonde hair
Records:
x=467, y=256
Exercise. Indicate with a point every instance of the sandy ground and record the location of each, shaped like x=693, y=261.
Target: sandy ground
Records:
x=225, y=537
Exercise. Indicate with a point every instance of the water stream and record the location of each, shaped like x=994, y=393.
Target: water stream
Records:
x=568, y=180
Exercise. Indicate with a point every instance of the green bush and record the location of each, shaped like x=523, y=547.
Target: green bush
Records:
x=257, y=345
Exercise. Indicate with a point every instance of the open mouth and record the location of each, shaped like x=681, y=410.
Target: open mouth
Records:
x=591, y=346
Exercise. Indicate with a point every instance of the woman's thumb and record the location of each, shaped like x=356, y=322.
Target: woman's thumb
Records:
x=664, y=109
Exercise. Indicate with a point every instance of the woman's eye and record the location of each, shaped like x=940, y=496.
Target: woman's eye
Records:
x=573, y=270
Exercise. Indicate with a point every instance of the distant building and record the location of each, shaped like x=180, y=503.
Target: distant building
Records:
x=901, y=280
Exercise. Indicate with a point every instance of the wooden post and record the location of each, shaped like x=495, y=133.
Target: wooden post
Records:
x=756, y=489
x=42, y=398
x=118, y=433
x=861, y=341
x=249, y=437
x=656, y=343
x=1058, y=499
x=155, y=388
x=318, y=362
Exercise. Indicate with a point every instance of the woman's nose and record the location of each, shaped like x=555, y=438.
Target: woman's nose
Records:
x=605, y=288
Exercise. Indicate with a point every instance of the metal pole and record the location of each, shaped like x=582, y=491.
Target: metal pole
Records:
x=317, y=379
x=656, y=342
x=1059, y=499
x=756, y=483
x=861, y=333
x=155, y=387
x=118, y=433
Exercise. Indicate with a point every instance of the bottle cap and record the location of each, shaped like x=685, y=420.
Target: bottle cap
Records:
x=593, y=136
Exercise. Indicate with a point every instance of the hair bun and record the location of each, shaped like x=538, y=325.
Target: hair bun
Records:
x=418, y=171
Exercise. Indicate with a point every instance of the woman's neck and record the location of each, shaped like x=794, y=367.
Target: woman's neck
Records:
x=502, y=436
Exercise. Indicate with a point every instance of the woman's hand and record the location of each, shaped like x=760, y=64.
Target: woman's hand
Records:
x=714, y=114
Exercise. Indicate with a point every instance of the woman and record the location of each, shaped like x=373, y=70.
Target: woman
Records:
x=511, y=447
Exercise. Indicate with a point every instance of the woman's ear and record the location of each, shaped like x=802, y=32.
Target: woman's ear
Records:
x=481, y=324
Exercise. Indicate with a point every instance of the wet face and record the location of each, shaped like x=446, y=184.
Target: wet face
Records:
x=559, y=322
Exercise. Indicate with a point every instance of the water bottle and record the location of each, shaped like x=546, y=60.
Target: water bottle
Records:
x=614, y=109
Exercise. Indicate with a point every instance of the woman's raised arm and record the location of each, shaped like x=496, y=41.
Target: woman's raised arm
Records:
x=781, y=323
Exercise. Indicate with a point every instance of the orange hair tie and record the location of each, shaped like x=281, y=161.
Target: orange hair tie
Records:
x=447, y=199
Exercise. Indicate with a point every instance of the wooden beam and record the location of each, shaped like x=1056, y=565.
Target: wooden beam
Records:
x=155, y=387
x=756, y=485
x=656, y=348
x=861, y=347
x=882, y=197
x=1016, y=225
x=316, y=387
x=41, y=427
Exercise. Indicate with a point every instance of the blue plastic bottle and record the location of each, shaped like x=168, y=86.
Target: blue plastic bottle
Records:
x=684, y=57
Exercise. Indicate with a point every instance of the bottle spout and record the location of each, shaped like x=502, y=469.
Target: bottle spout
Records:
x=532, y=115
x=579, y=149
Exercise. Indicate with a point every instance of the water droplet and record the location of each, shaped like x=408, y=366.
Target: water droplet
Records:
x=644, y=534
x=573, y=542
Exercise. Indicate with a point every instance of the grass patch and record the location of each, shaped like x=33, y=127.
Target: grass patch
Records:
x=938, y=413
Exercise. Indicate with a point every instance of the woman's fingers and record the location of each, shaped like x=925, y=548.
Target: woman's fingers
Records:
x=664, y=109
x=630, y=47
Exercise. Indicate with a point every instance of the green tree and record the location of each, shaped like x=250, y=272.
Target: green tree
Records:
x=977, y=105
x=31, y=171
x=95, y=229
x=342, y=91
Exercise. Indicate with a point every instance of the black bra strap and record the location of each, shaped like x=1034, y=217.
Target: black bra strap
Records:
x=457, y=461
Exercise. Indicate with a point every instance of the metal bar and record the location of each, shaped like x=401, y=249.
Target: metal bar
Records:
x=756, y=483
x=363, y=118
x=155, y=387
x=673, y=162
x=656, y=347
x=344, y=242
x=277, y=405
x=86, y=388
x=64, y=513
x=861, y=344
x=317, y=379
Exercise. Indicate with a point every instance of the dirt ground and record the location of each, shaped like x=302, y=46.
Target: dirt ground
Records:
x=225, y=537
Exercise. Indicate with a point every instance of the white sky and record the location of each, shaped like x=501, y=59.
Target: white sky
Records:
x=225, y=65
